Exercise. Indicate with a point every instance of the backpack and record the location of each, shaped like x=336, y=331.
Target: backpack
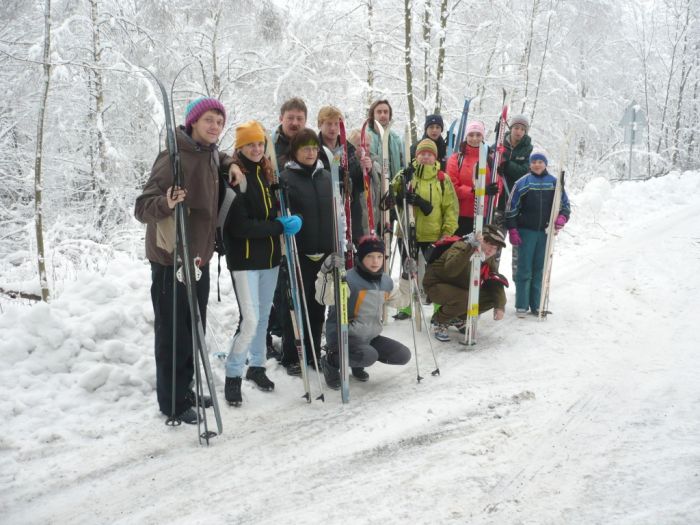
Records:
x=436, y=249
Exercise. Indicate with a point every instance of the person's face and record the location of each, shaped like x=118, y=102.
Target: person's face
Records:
x=330, y=129
x=488, y=249
x=208, y=127
x=433, y=131
x=474, y=139
x=537, y=167
x=373, y=261
x=426, y=158
x=293, y=120
x=254, y=151
x=307, y=155
x=517, y=132
x=382, y=114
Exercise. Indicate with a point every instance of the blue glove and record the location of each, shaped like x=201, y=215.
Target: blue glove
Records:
x=291, y=224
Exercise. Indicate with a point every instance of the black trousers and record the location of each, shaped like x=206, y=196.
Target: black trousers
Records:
x=309, y=270
x=162, y=298
x=364, y=353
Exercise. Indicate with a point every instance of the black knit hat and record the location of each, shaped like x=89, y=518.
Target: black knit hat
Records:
x=369, y=244
x=493, y=235
x=434, y=119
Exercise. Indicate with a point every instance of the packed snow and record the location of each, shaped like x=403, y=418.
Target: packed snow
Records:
x=592, y=416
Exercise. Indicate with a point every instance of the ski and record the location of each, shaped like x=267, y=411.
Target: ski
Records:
x=549, y=247
x=340, y=284
x=188, y=272
x=412, y=243
x=292, y=291
x=475, y=273
x=492, y=203
x=462, y=124
x=367, y=178
x=385, y=225
x=451, y=138
x=345, y=164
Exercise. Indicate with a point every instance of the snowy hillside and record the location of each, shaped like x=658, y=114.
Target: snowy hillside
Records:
x=590, y=417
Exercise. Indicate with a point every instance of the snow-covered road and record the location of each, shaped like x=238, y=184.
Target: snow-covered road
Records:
x=590, y=417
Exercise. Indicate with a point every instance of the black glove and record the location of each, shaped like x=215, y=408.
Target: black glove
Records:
x=492, y=189
x=502, y=168
x=408, y=173
x=388, y=202
x=417, y=200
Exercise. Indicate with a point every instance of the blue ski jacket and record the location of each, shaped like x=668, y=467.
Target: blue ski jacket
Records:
x=530, y=203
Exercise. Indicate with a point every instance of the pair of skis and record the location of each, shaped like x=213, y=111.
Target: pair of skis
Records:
x=480, y=202
x=188, y=272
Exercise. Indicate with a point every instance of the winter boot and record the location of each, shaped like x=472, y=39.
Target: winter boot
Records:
x=188, y=416
x=293, y=369
x=521, y=312
x=257, y=375
x=204, y=401
x=232, y=391
x=330, y=374
x=360, y=374
x=403, y=313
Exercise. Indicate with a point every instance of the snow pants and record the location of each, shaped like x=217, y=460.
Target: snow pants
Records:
x=254, y=292
x=162, y=299
x=309, y=270
x=454, y=301
x=528, y=279
x=365, y=353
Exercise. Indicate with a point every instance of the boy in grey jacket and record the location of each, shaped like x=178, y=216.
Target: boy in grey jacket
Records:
x=369, y=287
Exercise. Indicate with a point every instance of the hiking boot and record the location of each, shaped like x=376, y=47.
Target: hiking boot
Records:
x=257, y=375
x=232, y=391
x=521, y=312
x=360, y=374
x=458, y=323
x=330, y=374
x=440, y=332
x=188, y=416
x=293, y=369
x=272, y=352
x=204, y=401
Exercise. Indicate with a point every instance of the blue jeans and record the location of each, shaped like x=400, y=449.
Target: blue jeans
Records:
x=254, y=292
x=528, y=279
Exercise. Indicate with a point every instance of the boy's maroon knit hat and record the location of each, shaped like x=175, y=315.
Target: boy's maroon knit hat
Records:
x=199, y=107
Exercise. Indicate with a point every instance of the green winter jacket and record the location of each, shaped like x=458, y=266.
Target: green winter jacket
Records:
x=435, y=187
x=396, y=160
x=516, y=160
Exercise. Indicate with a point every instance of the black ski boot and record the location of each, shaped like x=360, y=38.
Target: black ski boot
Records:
x=330, y=374
x=257, y=375
x=204, y=401
x=232, y=391
x=360, y=374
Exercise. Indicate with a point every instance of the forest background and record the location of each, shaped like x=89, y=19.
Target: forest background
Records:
x=80, y=124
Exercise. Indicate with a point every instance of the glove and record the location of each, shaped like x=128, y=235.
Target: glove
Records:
x=560, y=222
x=333, y=261
x=291, y=224
x=417, y=200
x=409, y=266
x=408, y=173
x=388, y=202
x=502, y=168
x=515, y=239
x=492, y=189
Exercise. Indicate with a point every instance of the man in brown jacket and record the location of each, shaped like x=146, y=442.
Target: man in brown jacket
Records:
x=446, y=281
x=200, y=162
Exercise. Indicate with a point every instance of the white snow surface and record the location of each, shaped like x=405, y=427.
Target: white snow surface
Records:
x=592, y=416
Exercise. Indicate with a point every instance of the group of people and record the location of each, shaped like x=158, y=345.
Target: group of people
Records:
x=438, y=189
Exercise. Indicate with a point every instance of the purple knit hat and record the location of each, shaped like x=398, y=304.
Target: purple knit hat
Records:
x=199, y=107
